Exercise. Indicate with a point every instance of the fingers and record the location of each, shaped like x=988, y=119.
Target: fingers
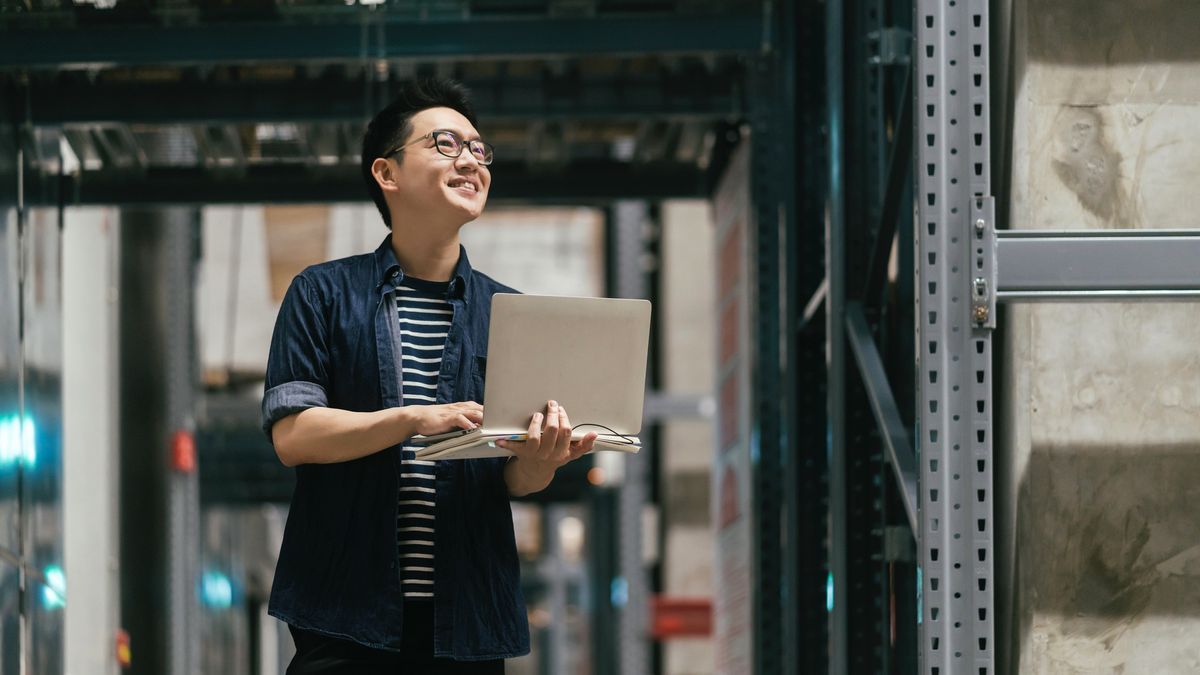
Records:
x=583, y=446
x=464, y=415
x=550, y=431
x=534, y=433
x=562, y=447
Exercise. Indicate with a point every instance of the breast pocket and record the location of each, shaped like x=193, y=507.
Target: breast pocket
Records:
x=478, y=378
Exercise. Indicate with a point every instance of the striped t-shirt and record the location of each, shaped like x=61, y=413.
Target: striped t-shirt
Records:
x=424, y=316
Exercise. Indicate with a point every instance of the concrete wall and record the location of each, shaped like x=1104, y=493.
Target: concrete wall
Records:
x=1101, y=406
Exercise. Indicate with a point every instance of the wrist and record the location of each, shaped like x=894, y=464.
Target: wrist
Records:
x=532, y=471
x=404, y=422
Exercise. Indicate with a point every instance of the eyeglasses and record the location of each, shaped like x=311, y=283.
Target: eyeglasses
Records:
x=450, y=144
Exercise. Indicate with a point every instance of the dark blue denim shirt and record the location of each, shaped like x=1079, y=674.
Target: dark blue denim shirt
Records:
x=336, y=344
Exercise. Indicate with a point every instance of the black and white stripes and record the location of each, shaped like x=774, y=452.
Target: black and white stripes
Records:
x=424, y=316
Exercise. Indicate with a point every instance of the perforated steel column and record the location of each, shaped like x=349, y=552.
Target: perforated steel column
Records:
x=183, y=488
x=630, y=220
x=955, y=432
x=767, y=169
x=159, y=506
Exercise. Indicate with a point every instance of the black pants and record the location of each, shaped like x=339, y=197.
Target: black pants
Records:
x=316, y=653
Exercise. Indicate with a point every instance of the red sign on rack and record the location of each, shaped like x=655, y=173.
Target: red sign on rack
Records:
x=680, y=617
x=183, y=452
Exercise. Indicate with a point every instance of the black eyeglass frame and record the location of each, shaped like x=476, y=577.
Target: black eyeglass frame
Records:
x=488, y=149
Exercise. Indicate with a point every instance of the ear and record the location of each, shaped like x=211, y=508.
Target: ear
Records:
x=385, y=174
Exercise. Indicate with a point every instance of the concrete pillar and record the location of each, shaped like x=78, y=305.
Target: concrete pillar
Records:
x=688, y=312
x=1100, y=543
x=90, y=440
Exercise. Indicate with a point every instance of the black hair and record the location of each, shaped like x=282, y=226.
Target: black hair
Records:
x=391, y=126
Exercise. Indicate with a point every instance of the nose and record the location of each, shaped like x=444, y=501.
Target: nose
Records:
x=469, y=158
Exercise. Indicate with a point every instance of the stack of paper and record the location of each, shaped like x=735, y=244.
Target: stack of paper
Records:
x=475, y=444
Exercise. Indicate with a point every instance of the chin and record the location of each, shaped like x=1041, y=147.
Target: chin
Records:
x=473, y=208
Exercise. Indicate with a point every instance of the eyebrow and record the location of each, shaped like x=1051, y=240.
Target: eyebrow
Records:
x=457, y=132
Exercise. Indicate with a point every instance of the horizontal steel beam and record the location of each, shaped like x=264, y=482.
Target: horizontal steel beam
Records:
x=384, y=37
x=239, y=467
x=578, y=182
x=664, y=407
x=327, y=100
x=887, y=416
x=1097, y=265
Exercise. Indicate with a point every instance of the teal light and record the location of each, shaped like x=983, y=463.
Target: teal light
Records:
x=618, y=592
x=18, y=441
x=829, y=593
x=10, y=440
x=54, y=593
x=29, y=443
x=216, y=590
x=920, y=597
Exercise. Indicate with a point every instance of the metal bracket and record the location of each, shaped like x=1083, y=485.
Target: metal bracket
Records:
x=891, y=46
x=983, y=262
x=898, y=544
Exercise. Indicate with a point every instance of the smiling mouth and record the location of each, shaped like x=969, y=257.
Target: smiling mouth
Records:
x=464, y=185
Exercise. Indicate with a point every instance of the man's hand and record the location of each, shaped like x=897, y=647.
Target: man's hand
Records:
x=548, y=447
x=428, y=420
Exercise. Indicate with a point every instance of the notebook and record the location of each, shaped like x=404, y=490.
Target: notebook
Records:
x=588, y=354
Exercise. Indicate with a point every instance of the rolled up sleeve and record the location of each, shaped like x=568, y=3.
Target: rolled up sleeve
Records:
x=298, y=363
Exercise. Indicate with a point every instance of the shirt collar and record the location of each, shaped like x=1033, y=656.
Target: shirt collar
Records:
x=389, y=274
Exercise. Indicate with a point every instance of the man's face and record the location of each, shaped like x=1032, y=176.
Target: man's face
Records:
x=435, y=184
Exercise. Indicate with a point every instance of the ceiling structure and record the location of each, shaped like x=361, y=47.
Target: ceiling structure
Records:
x=170, y=102
x=253, y=101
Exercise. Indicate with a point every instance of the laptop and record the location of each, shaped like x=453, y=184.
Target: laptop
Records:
x=588, y=354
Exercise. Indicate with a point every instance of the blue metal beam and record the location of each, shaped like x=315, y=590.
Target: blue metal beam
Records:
x=581, y=182
x=384, y=38
x=61, y=101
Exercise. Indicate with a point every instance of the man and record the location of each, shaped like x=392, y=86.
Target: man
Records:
x=390, y=564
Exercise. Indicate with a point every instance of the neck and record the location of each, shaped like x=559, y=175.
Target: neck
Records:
x=425, y=252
